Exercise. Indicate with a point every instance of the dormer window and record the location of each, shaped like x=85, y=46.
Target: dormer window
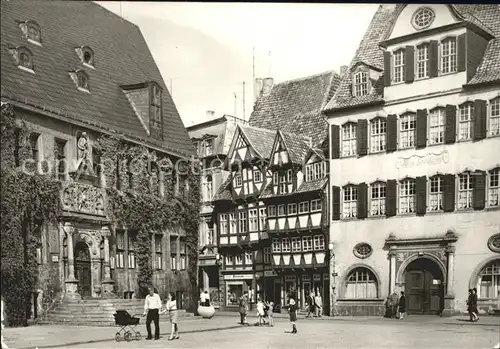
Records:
x=23, y=58
x=360, y=84
x=31, y=31
x=88, y=56
x=156, y=105
x=449, y=55
x=399, y=65
x=423, y=18
x=81, y=80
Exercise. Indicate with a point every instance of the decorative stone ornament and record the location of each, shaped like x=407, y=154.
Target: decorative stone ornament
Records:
x=423, y=18
x=494, y=243
x=362, y=250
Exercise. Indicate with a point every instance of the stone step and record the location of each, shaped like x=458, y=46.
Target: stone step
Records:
x=101, y=323
x=98, y=312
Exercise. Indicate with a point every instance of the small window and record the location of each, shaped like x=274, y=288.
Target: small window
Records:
x=285, y=245
x=316, y=205
x=88, y=56
x=82, y=80
x=267, y=255
x=304, y=207
x=60, y=149
x=253, y=220
x=407, y=125
x=276, y=245
x=436, y=126
x=449, y=55
x=242, y=222
x=23, y=58
x=271, y=210
x=399, y=65
x=289, y=176
x=466, y=114
x=349, y=139
x=307, y=243
x=319, y=242
x=292, y=209
x=423, y=18
x=275, y=178
x=257, y=176
x=360, y=84
x=31, y=31
x=281, y=210
x=33, y=138
x=237, y=180
x=495, y=116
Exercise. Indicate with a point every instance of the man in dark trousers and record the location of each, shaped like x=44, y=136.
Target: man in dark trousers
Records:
x=152, y=307
x=243, y=308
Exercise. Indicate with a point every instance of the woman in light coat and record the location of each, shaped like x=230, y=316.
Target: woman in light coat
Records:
x=171, y=309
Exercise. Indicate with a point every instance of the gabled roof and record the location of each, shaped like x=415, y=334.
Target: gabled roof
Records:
x=485, y=16
x=223, y=192
x=296, y=145
x=122, y=58
x=260, y=139
x=295, y=106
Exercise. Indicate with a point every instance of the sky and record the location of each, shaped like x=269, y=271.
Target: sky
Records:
x=205, y=50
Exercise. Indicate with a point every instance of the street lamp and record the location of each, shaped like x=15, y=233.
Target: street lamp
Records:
x=218, y=261
x=331, y=264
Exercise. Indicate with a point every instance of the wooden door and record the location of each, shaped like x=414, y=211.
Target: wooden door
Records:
x=423, y=292
x=82, y=270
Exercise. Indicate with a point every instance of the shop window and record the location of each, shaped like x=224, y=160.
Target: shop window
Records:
x=361, y=283
x=120, y=249
x=234, y=292
x=489, y=280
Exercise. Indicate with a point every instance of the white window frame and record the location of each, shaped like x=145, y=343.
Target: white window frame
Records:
x=422, y=62
x=253, y=220
x=448, y=54
x=242, y=222
x=407, y=196
x=224, y=225
x=349, y=201
x=378, y=193
x=304, y=207
x=291, y=209
x=233, y=223
x=283, y=213
x=360, y=80
x=319, y=242
x=238, y=180
x=494, y=187
x=437, y=125
x=271, y=211
x=285, y=245
x=248, y=258
x=257, y=176
x=316, y=205
x=494, y=121
x=398, y=64
x=465, y=124
x=276, y=245
x=262, y=218
x=436, y=194
x=407, y=130
x=296, y=244
x=465, y=191
x=349, y=139
x=378, y=134
x=307, y=243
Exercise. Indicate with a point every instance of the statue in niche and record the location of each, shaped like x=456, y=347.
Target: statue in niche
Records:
x=83, y=147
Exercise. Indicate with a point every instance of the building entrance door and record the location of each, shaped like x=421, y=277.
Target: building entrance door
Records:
x=424, y=287
x=82, y=269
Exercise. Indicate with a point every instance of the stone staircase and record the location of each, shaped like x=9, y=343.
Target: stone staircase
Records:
x=98, y=312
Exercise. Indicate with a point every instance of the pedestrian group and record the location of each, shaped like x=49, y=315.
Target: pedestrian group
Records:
x=153, y=308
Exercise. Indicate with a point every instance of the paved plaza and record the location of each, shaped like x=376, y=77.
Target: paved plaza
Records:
x=224, y=332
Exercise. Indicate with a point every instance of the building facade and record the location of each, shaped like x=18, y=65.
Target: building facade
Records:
x=271, y=211
x=72, y=86
x=211, y=139
x=414, y=128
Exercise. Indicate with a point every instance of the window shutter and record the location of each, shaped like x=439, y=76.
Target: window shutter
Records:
x=335, y=203
x=479, y=190
x=461, y=52
x=362, y=200
x=409, y=64
x=450, y=131
x=392, y=133
x=335, y=130
x=433, y=58
x=448, y=193
x=387, y=68
x=391, y=198
x=421, y=194
x=362, y=137
x=479, y=119
x=421, y=128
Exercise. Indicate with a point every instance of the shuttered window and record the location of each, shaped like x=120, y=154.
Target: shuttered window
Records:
x=448, y=193
x=349, y=133
x=421, y=130
x=493, y=188
x=387, y=68
x=335, y=194
x=421, y=195
x=378, y=135
x=495, y=117
x=465, y=115
x=479, y=119
x=436, y=194
x=362, y=137
x=407, y=127
x=407, y=196
x=451, y=120
x=433, y=59
x=465, y=191
x=391, y=198
x=449, y=55
x=422, y=61
x=335, y=141
x=362, y=201
x=392, y=133
x=436, y=126
x=398, y=65
x=479, y=187
x=350, y=201
x=409, y=72
x=377, y=201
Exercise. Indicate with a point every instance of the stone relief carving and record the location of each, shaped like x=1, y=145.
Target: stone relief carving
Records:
x=92, y=239
x=401, y=256
x=83, y=198
x=417, y=160
x=494, y=243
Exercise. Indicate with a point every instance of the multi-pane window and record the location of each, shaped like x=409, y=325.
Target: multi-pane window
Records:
x=407, y=124
x=307, y=243
x=493, y=188
x=436, y=126
x=253, y=221
x=489, y=280
x=350, y=203
x=285, y=245
x=248, y=258
x=237, y=180
x=292, y=209
x=316, y=205
x=319, y=242
x=466, y=112
x=183, y=254
x=377, y=203
x=378, y=131
x=283, y=185
x=360, y=84
x=242, y=222
x=159, y=252
x=174, y=263
x=449, y=55
x=224, y=226
x=465, y=190
x=407, y=196
x=315, y=171
x=232, y=223
x=132, y=248
x=210, y=235
x=238, y=260
x=399, y=65
x=304, y=207
x=495, y=117
x=156, y=105
x=271, y=210
x=230, y=260
x=120, y=249
x=61, y=158
x=422, y=62
x=33, y=33
x=276, y=245
x=34, y=146
x=262, y=219
x=361, y=283
x=436, y=193
x=349, y=139
x=207, y=147
x=296, y=245
x=257, y=176
x=281, y=210
x=267, y=255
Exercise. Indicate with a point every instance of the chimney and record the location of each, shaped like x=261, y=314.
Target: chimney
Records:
x=343, y=70
x=258, y=88
x=210, y=114
x=267, y=85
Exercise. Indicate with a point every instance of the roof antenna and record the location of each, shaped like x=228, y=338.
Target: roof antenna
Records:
x=269, y=64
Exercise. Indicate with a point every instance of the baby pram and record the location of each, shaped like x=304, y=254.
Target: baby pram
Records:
x=126, y=321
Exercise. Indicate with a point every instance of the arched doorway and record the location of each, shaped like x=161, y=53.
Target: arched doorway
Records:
x=424, y=287
x=82, y=269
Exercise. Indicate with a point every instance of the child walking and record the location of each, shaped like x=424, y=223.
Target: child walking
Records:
x=292, y=310
x=260, y=311
x=171, y=309
x=270, y=309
